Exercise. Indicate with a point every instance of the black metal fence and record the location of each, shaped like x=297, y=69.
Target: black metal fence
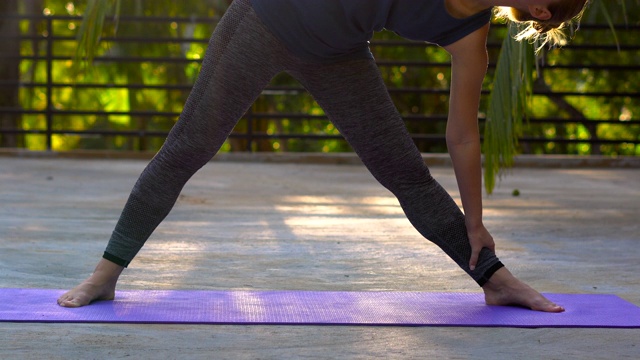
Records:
x=619, y=60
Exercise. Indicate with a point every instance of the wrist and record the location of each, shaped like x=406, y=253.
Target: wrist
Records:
x=473, y=224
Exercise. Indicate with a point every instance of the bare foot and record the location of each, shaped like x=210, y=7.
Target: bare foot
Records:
x=505, y=289
x=101, y=285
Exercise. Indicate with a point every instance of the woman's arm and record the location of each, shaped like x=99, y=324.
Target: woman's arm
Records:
x=468, y=68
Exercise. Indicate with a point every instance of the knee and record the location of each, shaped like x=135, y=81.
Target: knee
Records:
x=184, y=157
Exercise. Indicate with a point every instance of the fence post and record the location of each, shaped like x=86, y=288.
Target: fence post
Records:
x=49, y=63
x=250, y=118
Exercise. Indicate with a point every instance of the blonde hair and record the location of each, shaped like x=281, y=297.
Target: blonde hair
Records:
x=552, y=32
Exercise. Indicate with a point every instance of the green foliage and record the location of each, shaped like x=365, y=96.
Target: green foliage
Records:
x=512, y=87
x=505, y=109
x=90, y=32
x=514, y=78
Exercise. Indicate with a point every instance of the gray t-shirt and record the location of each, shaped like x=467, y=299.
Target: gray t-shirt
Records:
x=334, y=30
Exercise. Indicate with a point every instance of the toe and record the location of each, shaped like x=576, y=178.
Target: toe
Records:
x=72, y=303
x=67, y=300
x=556, y=308
x=548, y=306
x=62, y=299
x=64, y=303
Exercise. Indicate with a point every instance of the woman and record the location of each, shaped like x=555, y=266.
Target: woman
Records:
x=324, y=45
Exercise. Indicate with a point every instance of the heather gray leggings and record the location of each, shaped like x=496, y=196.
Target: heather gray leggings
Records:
x=241, y=60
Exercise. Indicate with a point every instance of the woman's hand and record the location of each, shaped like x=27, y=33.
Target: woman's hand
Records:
x=479, y=238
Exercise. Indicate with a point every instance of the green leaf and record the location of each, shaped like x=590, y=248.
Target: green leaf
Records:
x=512, y=87
x=607, y=16
x=90, y=31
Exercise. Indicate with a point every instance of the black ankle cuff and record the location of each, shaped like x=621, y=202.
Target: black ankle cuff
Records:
x=487, y=274
x=114, y=259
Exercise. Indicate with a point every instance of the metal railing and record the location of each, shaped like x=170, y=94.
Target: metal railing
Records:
x=250, y=134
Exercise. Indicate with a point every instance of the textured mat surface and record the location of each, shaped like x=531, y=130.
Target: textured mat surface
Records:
x=315, y=308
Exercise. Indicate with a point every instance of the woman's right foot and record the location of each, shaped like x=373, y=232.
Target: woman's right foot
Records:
x=506, y=290
x=101, y=285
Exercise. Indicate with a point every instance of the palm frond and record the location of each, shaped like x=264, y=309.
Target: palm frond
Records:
x=512, y=87
x=605, y=12
x=90, y=31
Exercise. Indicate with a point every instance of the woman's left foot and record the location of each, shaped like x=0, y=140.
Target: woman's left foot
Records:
x=505, y=289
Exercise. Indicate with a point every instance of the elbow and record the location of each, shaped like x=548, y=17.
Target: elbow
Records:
x=464, y=138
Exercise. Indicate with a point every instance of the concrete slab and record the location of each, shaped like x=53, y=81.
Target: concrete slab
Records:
x=307, y=226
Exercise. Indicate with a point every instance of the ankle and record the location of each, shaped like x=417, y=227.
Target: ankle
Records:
x=501, y=279
x=105, y=272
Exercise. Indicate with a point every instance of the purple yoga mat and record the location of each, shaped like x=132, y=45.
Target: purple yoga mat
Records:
x=315, y=308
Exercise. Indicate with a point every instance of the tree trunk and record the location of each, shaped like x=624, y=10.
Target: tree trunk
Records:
x=10, y=73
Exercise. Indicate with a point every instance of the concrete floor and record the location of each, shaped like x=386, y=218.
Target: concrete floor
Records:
x=320, y=227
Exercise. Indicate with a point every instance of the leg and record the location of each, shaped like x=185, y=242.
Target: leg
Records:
x=357, y=101
x=241, y=60
x=234, y=72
